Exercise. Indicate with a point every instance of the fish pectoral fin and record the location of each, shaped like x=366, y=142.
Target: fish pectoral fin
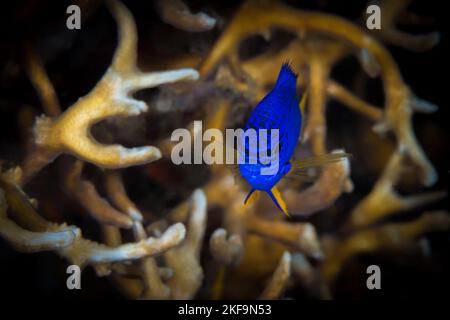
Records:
x=275, y=194
x=299, y=167
x=251, y=197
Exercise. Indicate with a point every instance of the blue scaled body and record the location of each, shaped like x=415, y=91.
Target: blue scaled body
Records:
x=279, y=109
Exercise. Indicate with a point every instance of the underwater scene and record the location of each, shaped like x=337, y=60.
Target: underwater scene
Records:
x=224, y=150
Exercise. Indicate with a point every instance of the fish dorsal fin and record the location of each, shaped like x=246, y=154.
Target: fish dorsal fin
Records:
x=287, y=78
x=287, y=70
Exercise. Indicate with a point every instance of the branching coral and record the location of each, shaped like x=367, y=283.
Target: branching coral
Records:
x=176, y=13
x=309, y=277
x=369, y=209
x=67, y=240
x=184, y=263
x=69, y=132
x=388, y=236
x=391, y=11
x=226, y=251
x=29, y=241
x=185, y=260
x=86, y=193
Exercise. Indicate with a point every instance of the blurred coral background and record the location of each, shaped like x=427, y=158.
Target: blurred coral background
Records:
x=370, y=92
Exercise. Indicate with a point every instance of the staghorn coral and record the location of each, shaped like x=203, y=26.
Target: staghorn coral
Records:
x=185, y=260
x=69, y=132
x=176, y=13
x=86, y=193
x=385, y=236
x=391, y=11
x=67, y=240
x=279, y=279
x=249, y=252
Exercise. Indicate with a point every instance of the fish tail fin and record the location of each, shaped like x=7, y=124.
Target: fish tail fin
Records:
x=250, y=198
x=287, y=77
x=274, y=193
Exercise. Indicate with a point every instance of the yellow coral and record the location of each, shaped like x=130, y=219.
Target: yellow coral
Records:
x=251, y=244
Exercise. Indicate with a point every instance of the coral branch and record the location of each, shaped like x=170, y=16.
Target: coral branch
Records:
x=116, y=191
x=279, y=279
x=185, y=260
x=177, y=14
x=353, y=102
x=390, y=12
x=383, y=200
x=81, y=251
x=299, y=236
x=86, y=193
x=227, y=251
x=42, y=83
x=309, y=277
x=85, y=251
x=387, y=236
x=154, y=288
x=315, y=128
x=28, y=241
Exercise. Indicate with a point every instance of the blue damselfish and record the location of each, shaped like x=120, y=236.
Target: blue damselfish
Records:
x=279, y=109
